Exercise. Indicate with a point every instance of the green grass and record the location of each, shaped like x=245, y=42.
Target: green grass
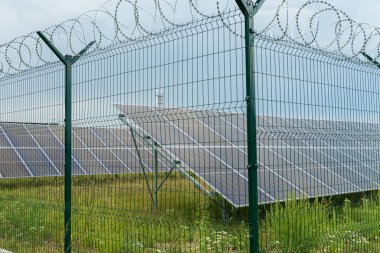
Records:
x=115, y=214
x=322, y=226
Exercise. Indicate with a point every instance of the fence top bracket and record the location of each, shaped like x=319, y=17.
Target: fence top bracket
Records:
x=67, y=59
x=247, y=9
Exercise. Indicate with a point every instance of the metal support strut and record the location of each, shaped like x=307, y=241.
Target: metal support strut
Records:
x=167, y=156
x=68, y=61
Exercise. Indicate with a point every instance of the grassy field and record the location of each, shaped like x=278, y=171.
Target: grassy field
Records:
x=115, y=214
x=323, y=226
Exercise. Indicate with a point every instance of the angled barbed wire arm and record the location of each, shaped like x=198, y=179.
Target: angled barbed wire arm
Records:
x=243, y=6
x=249, y=9
x=81, y=53
x=52, y=47
x=377, y=64
x=256, y=7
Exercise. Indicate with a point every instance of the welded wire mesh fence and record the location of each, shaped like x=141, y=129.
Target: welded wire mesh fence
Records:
x=31, y=164
x=317, y=138
x=159, y=147
x=170, y=153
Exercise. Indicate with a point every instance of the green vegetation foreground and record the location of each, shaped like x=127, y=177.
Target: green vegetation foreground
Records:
x=31, y=212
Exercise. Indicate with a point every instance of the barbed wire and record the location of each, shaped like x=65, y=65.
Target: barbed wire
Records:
x=118, y=21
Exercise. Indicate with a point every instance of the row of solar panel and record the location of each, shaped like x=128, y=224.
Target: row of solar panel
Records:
x=301, y=157
x=298, y=157
x=38, y=150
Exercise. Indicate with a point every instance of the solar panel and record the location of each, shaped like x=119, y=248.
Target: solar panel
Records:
x=208, y=153
x=37, y=150
x=300, y=157
x=11, y=164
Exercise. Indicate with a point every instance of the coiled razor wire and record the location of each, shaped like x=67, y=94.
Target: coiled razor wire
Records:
x=119, y=21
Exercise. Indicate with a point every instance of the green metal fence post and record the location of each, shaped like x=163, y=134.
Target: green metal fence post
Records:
x=253, y=218
x=68, y=123
x=68, y=61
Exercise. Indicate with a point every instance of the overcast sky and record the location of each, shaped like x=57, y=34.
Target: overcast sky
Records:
x=19, y=17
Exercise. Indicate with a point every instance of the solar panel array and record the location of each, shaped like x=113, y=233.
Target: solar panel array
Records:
x=33, y=150
x=300, y=157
